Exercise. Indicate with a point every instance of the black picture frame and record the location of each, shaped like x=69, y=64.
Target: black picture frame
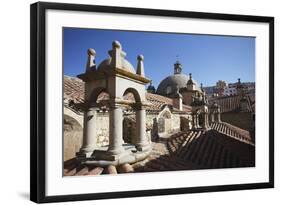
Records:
x=38, y=101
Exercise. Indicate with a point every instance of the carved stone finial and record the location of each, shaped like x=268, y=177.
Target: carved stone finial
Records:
x=116, y=54
x=140, y=57
x=116, y=44
x=140, y=66
x=91, y=64
x=91, y=52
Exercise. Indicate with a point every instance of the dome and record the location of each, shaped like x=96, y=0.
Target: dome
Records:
x=171, y=84
x=126, y=65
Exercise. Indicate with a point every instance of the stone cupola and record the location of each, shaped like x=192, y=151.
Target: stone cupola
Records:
x=177, y=68
x=117, y=77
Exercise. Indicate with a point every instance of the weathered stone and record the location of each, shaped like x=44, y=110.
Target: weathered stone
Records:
x=95, y=171
x=111, y=169
x=125, y=168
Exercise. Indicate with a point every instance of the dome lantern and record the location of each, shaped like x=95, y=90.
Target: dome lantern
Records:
x=177, y=68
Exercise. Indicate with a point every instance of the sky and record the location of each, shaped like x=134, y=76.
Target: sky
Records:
x=208, y=57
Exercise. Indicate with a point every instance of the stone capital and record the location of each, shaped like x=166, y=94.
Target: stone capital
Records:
x=115, y=103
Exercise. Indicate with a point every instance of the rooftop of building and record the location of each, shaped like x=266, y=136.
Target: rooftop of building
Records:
x=74, y=91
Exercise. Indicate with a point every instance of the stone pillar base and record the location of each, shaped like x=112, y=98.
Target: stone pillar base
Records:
x=116, y=151
x=142, y=148
x=101, y=157
x=85, y=152
x=84, y=155
x=110, y=156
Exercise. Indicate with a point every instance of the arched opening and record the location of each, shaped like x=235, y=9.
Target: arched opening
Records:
x=212, y=116
x=185, y=124
x=97, y=121
x=72, y=138
x=129, y=130
x=131, y=95
x=169, y=90
x=201, y=120
x=165, y=123
x=98, y=95
x=130, y=120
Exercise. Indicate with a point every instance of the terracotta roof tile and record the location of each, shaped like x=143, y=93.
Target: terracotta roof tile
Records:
x=74, y=90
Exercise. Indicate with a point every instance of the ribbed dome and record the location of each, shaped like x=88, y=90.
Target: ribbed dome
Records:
x=126, y=65
x=170, y=84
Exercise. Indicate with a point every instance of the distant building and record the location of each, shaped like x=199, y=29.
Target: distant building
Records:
x=220, y=87
x=230, y=90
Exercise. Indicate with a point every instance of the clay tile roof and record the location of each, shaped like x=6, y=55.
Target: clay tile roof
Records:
x=74, y=90
x=158, y=101
x=232, y=103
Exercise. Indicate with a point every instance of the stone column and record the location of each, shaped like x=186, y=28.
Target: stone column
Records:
x=207, y=118
x=194, y=121
x=197, y=121
x=89, y=132
x=142, y=142
x=205, y=121
x=115, y=130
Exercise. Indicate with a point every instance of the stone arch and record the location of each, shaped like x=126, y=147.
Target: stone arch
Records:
x=215, y=113
x=135, y=94
x=164, y=121
x=165, y=112
x=96, y=93
x=130, y=122
x=72, y=138
x=74, y=114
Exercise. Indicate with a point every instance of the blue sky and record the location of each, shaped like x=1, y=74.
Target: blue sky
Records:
x=208, y=57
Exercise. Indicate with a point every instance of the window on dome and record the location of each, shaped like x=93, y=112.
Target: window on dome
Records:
x=169, y=90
